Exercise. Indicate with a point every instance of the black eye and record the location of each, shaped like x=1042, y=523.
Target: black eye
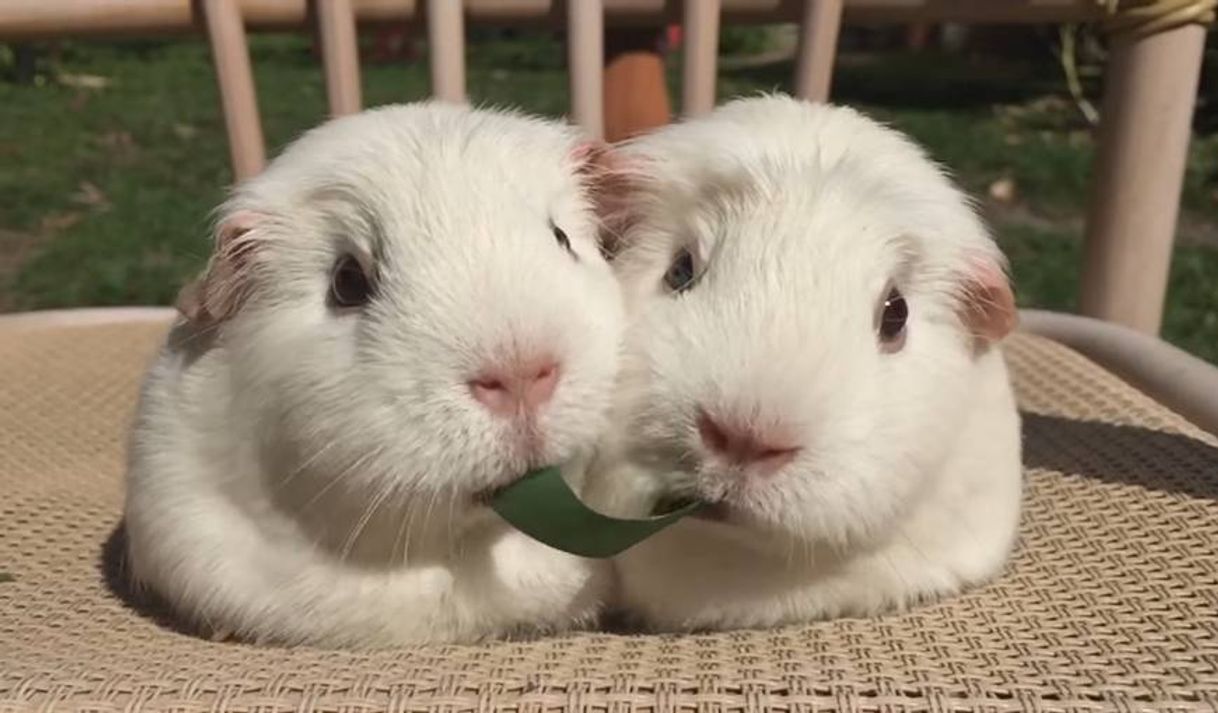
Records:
x=563, y=241
x=893, y=315
x=349, y=286
x=680, y=275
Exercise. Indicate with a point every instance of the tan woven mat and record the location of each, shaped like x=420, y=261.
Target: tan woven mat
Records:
x=1111, y=602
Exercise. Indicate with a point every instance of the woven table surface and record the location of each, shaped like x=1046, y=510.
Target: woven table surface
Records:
x=1110, y=602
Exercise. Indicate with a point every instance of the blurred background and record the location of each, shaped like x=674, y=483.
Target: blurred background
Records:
x=113, y=153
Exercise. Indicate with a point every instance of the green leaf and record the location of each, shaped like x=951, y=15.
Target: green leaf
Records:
x=542, y=506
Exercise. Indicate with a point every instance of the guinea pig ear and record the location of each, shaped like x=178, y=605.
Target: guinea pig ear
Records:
x=988, y=304
x=609, y=182
x=219, y=292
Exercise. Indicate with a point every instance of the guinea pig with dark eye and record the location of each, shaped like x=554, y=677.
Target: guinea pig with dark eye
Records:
x=406, y=311
x=814, y=349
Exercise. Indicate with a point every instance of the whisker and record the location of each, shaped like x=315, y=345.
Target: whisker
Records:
x=403, y=537
x=452, y=507
x=431, y=503
x=302, y=467
x=363, y=522
x=341, y=475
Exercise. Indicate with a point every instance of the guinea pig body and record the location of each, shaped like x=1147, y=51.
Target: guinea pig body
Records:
x=815, y=317
x=405, y=311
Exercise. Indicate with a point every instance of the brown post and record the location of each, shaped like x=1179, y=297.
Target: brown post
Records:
x=917, y=36
x=636, y=96
x=1138, y=175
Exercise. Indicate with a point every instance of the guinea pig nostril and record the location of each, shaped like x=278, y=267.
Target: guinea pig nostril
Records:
x=519, y=388
x=760, y=452
x=494, y=395
x=775, y=458
x=487, y=384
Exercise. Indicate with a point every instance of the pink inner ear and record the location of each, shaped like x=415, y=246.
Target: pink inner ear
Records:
x=595, y=158
x=216, y=295
x=235, y=225
x=586, y=151
x=609, y=185
x=989, y=305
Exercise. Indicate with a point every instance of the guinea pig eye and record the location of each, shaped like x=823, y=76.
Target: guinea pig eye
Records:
x=893, y=315
x=349, y=286
x=563, y=241
x=680, y=275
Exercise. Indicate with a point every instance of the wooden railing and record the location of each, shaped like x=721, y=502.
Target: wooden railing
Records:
x=1150, y=90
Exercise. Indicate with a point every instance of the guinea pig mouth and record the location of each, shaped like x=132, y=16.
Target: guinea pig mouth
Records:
x=719, y=511
x=728, y=508
x=485, y=496
x=531, y=460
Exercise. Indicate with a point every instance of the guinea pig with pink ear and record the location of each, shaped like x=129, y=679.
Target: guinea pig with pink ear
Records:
x=815, y=349
x=406, y=311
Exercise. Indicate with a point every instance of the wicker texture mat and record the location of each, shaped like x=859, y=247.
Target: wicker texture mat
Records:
x=1111, y=602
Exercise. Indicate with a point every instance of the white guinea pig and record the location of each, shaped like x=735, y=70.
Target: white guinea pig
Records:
x=815, y=312
x=406, y=310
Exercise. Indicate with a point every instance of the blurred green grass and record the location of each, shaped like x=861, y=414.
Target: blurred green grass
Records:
x=107, y=191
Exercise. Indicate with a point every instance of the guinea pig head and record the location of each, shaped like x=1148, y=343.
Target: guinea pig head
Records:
x=805, y=331
x=416, y=305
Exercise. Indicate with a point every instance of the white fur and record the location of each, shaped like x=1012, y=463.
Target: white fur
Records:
x=908, y=485
x=307, y=476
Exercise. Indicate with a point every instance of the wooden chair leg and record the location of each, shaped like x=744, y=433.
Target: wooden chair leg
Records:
x=1138, y=175
x=238, y=100
x=586, y=57
x=700, y=27
x=340, y=55
x=818, y=34
x=636, y=96
x=446, y=45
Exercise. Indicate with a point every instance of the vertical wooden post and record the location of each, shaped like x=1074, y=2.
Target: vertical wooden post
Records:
x=446, y=45
x=238, y=100
x=701, y=30
x=340, y=55
x=1145, y=127
x=818, y=33
x=586, y=57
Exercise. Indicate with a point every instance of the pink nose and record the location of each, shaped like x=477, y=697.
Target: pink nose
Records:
x=521, y=388
x=744, y=447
